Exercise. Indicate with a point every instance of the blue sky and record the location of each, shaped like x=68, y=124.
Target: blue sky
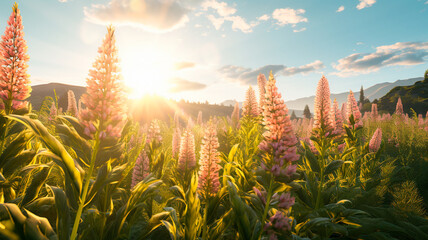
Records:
x=213, y=49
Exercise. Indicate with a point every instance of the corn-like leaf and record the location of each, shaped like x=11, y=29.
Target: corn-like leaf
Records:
x=53, y=145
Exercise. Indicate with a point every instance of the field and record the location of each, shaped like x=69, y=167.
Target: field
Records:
x=92, y=171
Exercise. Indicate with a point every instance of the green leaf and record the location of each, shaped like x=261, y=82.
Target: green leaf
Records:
x=333, y=166
x=53, y=145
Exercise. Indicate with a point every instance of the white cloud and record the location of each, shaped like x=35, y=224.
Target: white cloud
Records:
x=264, y=17
x=365, y=3
x=249, y=75
x=239, y=23
x=299, y=30
x=217, y=22
x=285, y=16
x=63, y=1
x=360, y=43
x=340, y=9
x=198, y=25
x=151, y=15
x=223, y=9
x=398, y=54
x=426, y=2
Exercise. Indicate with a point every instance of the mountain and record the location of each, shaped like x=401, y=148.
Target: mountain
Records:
x=374, y=92
x=414, y=96
x=39, y=92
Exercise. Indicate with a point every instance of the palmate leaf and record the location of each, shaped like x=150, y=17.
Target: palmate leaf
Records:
x=54, y=146
x=333, y=166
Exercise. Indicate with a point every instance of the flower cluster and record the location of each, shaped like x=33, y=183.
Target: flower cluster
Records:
x=374, y=113
x=279, y=139
x=261, y=82
x=72, y=106
x=176, y=142
x=337, y=120
x=105, y=99
x=277, y=224
x=250, y=107
x=352, y=108
x=376, y=140
x=208, y=173
x=153, y=133
x=187, y=158
x=141, y=169
x=399, y=107
x=322, y=113
x=235, y=115
x=14, y=82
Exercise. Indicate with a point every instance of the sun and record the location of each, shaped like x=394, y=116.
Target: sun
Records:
x=146, y=71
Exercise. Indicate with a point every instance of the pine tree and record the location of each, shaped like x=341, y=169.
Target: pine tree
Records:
x=307, y=113
x=362, y=95
x=293, y=115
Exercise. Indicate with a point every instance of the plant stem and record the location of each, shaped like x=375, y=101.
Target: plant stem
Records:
x=269, y=196
x=85, y=188
x=4, y=134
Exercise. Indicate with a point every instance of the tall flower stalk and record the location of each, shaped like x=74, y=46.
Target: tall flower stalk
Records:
x=399, y=107
x=376, y=140
x=208, y=173
x=235, y=115
x=249, y=108
x=278, y=145
x=105, y=107
x=187, y=158
x=336, y=115
x=14, y=80
x=72, y=105
x=352, y=108
x=322, y=113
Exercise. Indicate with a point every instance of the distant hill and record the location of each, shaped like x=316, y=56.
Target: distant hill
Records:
x=374, y=92
x=39, y=92
x=414, y=96
x=144, y=110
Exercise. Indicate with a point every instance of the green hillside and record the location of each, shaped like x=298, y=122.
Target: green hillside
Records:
x=414, y=96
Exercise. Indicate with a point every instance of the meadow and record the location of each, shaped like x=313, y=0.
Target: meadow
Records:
x=92, y=172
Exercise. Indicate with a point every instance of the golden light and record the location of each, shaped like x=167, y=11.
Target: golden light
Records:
x=146, y=71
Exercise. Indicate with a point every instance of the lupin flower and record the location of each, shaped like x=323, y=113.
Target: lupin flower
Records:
x=141, y=169
x=399, y=107
x=279, y=139
x=53, y=113
x=72, y=106
x=187, y=158
x=199, y=120
x=374, y=112
x=153, y=134
x=249, y=107
x=261, y=82
x=105, y=100
x=322, y=114
x=336, y=115
x=176, y=142
x=277, y=224
x=235, y=115
x=14, y=82
x=209, y=162
x=376, y=140
x=352, y=107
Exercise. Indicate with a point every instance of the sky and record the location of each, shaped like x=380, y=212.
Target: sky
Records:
x=213, y=50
